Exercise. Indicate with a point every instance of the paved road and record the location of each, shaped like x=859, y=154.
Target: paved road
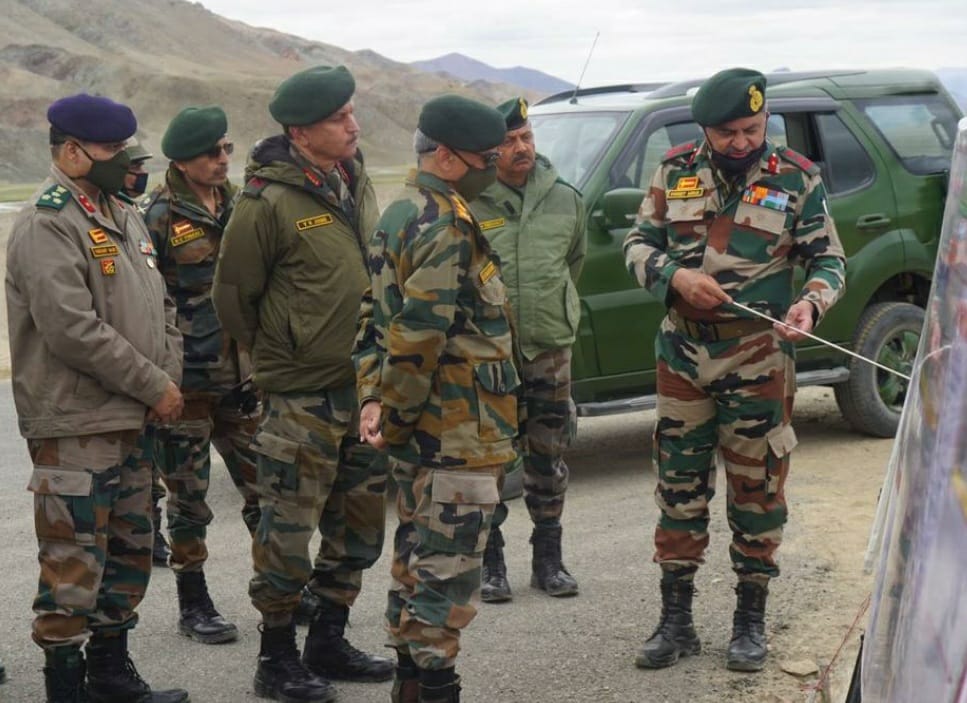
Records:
x=533, y=649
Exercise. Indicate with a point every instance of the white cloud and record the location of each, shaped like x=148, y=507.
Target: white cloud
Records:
x=646, y=41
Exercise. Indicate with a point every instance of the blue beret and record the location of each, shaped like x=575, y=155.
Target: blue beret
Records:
x=92, y=118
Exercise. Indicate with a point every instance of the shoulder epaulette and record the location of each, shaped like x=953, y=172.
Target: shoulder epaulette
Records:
x=794, y=157
x=54, y=198
x=460, y=209
x=254, y=187
x=565, y=183
x=678, y=151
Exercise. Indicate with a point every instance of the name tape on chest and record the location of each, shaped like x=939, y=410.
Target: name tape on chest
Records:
x=492, y=224
x=185, y=237
x=768, y=198
x=488, y=271
x=102, y=250
x=307, y=223
x=686, y=187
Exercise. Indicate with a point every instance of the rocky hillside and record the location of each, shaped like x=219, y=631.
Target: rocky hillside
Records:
x=161, y=55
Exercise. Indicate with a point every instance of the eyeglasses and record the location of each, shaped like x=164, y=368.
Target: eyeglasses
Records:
x=217, y=150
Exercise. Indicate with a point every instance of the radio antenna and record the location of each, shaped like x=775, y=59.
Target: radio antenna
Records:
x=577, y=87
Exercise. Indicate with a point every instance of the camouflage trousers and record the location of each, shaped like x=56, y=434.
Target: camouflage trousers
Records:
x=444, y=520
x=549, y=429
x=314, y=473
x=92, y=515
x=184, y=458
x=732, y=398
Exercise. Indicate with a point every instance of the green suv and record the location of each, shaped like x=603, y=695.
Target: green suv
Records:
x=883, y=141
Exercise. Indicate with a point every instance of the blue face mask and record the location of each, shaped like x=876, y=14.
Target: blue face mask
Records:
x=140, y=184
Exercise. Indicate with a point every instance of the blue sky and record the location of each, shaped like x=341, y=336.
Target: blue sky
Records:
x=639, y=41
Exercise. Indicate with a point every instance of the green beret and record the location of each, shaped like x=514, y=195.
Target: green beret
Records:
x=312, y=95
x=194, y=131
x=729, y=95
x=462, y=123
x=514, y=112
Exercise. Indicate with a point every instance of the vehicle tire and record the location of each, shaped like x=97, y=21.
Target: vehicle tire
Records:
x=871, y=399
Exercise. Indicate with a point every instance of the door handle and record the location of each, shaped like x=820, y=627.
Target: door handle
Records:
x=876, y=220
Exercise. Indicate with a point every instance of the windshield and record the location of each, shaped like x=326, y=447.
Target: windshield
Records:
x=574, y=142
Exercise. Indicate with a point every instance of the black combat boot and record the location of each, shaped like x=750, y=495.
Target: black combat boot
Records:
x=406, y=683
x=280, y=674
x=675, y=635
x=112, y=678
x=308, y=605
x=494, y=587
x=328, y=653
x=439, y=686
x=747, y=650
x=548, y=573
x=160, y=552
x=199, y=619
x=64, y=675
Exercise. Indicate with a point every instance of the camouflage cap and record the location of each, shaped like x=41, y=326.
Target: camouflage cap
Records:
x=729, y=95
x=312, y=95
x=462, y=123
x=90, y=118
x=514, y=112
x=136, y=153
x=193, y=131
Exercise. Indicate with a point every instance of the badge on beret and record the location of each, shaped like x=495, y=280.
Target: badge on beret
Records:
x=523, y=108
x=755, y=98
x=108, y=267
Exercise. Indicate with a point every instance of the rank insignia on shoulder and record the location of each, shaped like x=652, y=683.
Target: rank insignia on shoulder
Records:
x=677, y=151
x=766, y=197
x=492, y=224
x=54, y=198
x=312, y=222
x=685, y=187
x=97, y=235
x=100, y=251
x=108, y=267
x=794, y=157
x=488, y=271
x=460, y=209
x=185, y=237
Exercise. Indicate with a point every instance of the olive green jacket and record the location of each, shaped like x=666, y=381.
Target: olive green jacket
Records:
x=291, y=271
x=539, y=234
x=93, y=342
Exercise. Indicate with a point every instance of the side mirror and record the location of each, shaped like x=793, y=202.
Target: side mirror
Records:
x=619, y=207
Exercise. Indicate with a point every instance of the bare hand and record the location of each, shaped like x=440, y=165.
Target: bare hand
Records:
x=169, y=408
x=699, y=290
x=369, y=419
x=799, y=316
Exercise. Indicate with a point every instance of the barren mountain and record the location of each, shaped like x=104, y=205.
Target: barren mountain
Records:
x=161, y=55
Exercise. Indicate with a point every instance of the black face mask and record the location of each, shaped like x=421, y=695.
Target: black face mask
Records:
x=733, y=167
x=476, y=180
x=108, y=175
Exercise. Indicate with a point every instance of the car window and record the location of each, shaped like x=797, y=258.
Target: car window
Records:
x=919, y=128
x=845, y=164
x=575, y=142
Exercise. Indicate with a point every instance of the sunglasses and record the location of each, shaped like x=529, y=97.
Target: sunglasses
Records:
x=217, y=150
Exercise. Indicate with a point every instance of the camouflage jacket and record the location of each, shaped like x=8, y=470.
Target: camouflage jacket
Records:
x=186, y=238
x=438, y=353
x=93, y=342
x=538, y=232
x=292, y=270
x=748, y=236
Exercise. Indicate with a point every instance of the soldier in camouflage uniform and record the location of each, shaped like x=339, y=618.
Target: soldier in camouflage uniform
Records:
x=437, y=380
x=288, y=285
x=535, y=222
x=94, y=352
x=185, y=217
x=727, y=219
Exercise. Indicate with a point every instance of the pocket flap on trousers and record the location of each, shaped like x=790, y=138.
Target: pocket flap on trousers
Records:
x=782, y=439
x=275, y=447
x=459, y=487
x=59, y=482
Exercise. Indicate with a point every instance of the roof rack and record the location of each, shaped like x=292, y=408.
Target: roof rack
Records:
x=602, y=90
